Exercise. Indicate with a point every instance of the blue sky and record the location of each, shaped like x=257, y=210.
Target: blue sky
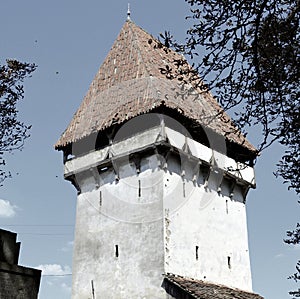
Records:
x=68, y=40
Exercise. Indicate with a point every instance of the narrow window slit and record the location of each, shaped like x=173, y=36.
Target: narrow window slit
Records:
x=93, y=289
x=183, y=188
x=229, y=262
x=226, y=206
x=117, y=250
x=100, y=199
x=140, y=188
x=197, y=254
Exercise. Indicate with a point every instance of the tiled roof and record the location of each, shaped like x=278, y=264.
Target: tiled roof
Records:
x=130, y=83
x=182, y=287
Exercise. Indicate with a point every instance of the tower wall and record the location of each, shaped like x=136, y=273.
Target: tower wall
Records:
x=119, y=234
x=157, y=203
x=206, y=235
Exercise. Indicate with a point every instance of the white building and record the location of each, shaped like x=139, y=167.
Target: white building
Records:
x=162, y=176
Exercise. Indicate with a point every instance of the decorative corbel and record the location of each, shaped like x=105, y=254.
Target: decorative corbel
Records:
x=207, y=176
x=74, y=182
x=245, y=192
x=110, y=134
x=185, y=148
x=95, y=175
x=196, y=171
x=213, y=163
x=65, y=157
x=116, y=170
x=231, y=188
x=137, y=162
x=162, y=135
x=219, y=189
x=162, y=158
x=183, y=165
x=111, y=152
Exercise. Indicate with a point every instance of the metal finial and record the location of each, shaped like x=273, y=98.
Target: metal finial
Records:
x=128, y=12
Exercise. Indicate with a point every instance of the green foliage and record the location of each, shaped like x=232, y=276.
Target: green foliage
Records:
x=12, y=132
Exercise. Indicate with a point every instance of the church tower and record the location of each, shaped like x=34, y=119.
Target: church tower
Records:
x=162, y=176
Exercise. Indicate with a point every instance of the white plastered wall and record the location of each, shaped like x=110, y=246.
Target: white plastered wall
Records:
x=133, y=226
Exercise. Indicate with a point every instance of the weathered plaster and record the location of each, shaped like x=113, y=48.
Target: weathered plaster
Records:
x=120, y=219
x=135, y=224
x=154, y=136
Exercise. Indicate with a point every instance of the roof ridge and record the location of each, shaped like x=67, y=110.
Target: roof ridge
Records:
x=138, y=43
x=140, y=28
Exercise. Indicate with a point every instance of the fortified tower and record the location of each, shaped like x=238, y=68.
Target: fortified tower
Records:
x=162, y=176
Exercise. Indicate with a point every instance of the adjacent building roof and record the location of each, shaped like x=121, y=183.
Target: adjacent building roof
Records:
x=187, y=288
x=130, y=83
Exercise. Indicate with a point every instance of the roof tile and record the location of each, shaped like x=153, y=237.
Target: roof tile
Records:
x=130, y=83
x=204, y=290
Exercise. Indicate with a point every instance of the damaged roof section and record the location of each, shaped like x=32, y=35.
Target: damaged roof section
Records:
x=186, y=288
x=130, y=83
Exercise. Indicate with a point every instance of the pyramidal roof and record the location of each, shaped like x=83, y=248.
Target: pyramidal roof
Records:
x=130, y=83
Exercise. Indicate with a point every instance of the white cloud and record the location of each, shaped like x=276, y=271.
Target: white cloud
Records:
x=66, y=288
x=7, y=209
x=68, y=247
x=54, y=269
